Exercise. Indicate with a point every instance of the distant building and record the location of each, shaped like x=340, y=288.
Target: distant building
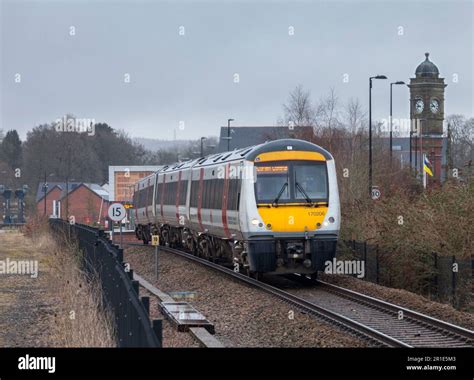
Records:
x=241, y=137
x=86, y=202
x=122, y=179
x=54, y=192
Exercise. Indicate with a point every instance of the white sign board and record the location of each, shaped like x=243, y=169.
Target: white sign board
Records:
x=375, y=193
x=117, y=212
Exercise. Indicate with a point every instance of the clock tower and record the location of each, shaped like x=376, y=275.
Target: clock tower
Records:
x=427, y=116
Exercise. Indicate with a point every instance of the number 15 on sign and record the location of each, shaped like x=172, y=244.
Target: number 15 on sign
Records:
x=117, y=213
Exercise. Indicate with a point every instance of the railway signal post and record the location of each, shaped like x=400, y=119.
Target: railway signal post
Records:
x=155, y=240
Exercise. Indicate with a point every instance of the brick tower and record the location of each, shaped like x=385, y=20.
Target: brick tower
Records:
x=427, y=116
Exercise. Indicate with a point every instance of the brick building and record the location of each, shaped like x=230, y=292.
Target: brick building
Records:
x=86, y=202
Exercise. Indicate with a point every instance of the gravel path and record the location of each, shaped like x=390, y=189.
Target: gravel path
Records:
x=243, y=316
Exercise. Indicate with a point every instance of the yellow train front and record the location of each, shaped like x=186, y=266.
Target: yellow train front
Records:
x=269, y=208
x=292, y=209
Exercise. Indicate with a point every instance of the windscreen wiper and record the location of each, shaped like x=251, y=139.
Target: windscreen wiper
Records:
x=275, y=202
x=300, y=188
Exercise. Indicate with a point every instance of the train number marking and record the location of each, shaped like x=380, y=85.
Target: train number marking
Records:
x=315, y=213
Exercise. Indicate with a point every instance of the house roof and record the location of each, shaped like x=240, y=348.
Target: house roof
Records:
x=51, y=186
x=96, y=188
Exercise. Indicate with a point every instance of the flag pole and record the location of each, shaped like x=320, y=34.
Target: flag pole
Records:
x=424, y=172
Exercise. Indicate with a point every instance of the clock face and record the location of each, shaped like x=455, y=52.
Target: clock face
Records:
x=434, y=106
x=419, y=106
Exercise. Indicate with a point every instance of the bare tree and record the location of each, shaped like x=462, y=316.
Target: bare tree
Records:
x=461, y=134
x=327, y=111
x=355, y=117
x=298, y=110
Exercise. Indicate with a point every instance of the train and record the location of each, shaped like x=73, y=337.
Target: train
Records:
x=270, y=208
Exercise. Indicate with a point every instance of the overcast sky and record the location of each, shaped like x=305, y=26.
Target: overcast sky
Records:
x=190, y=77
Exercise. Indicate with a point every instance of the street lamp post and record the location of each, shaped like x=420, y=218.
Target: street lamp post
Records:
x=421, y=144
x=228, y=133
x=202, y=148
x=391, y=115
x=416, y=154
x=45, y=190
x=370, y=129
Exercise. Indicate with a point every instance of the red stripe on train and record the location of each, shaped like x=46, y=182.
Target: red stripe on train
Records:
x=224, y=202
x=201, y=180
x=146, y=200
x=177, y=196
x=162, y=195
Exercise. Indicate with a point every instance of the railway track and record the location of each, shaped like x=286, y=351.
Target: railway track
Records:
x=409, y=326
x=379, y=322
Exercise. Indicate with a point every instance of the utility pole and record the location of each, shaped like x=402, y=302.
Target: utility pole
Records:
x=370, y=129
x=45, y=190
x=202, y=148
x=228, y=133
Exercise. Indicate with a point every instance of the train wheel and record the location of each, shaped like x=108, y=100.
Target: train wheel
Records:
x=255, y=275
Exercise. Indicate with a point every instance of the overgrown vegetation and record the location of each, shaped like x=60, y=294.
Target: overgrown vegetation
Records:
x=81, y=320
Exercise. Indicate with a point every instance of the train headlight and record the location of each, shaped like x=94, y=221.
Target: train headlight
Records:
x=325, y=224
x=331, y=219
x=255, y=222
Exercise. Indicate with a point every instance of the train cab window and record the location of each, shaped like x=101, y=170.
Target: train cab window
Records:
x=291, y=182
x=310, y=181
x=273, y=183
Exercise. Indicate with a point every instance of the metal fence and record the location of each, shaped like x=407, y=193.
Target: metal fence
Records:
x=120, y=292
x=444, y=278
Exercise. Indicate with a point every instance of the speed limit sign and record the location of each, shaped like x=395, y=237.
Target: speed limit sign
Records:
x=117, y=212
x=375, y=193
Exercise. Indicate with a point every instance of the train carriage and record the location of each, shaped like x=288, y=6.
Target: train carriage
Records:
x=270, y=208
x=143, y=204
